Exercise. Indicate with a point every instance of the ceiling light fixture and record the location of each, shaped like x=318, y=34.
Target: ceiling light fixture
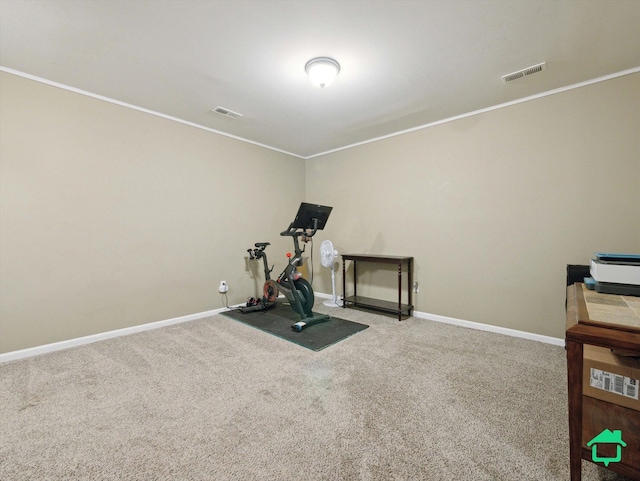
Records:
x=322, y=70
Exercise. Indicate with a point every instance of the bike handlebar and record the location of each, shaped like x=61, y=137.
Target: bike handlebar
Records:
x=294, y=232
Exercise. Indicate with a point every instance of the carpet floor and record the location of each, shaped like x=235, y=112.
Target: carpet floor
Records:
x=215, y=399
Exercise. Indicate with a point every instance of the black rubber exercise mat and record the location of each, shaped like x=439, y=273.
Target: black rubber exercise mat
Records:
x=279, y=319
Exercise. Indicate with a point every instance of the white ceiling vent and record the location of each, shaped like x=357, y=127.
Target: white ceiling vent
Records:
x=227, y=112
x=524, y=72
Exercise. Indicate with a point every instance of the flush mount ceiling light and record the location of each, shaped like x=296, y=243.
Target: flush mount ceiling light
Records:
x=322, y=70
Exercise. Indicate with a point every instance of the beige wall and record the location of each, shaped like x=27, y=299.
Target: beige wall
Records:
x=110, y=217
x=494, y=206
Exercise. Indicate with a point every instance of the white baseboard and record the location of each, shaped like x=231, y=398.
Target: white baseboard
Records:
x=488, y=327
x=479, y=326
x=79, y=341
x=57, y=346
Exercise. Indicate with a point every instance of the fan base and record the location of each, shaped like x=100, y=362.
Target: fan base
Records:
x=332, y=303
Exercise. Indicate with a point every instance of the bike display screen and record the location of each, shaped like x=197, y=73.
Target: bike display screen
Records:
x=308, y=212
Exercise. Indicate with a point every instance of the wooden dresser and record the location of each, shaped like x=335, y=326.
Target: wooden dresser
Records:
x=612, y=322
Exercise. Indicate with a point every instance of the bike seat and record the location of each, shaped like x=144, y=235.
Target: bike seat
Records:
x=262, y=244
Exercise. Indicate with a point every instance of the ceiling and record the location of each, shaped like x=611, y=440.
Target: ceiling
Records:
x=404, y=64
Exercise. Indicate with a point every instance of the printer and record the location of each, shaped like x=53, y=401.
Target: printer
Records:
x=616, y=273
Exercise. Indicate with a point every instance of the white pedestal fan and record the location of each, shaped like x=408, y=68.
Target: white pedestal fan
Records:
x=328, y=257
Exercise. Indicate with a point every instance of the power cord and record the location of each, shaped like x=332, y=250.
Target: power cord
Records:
x=311, y=268
x=226, y=300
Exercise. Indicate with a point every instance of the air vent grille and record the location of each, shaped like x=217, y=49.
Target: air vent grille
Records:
x=524, y=72
x=227, y=112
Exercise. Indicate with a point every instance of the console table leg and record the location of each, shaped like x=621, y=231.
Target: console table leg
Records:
x=410, y=268
x=399, y=291
x=344, y=283
x=355, y=280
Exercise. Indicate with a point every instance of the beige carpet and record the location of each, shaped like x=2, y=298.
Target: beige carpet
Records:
x=215, y=399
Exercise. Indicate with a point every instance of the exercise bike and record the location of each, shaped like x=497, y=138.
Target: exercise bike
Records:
x=297, y=290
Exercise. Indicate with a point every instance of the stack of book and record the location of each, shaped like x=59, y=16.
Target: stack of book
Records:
x=615, y=274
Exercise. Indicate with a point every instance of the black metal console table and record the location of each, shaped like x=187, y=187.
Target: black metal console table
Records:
x=378, y=304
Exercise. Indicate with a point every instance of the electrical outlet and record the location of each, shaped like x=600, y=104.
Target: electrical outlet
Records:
x=416, y=288
x=223, y=287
